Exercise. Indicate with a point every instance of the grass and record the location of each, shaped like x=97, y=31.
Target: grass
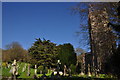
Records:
x=6, y=73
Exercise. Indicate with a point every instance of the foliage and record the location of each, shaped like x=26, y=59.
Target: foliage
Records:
x=43, y=52
x=5, y=72
x=14, y=49
x=40, y=69
x=73, y=68
x=66, y=54
x=101, y=39
x=113, y=62
x=78, y=67
x=4, y=64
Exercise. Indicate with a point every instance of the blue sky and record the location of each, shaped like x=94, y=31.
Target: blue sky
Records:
x=25, y=21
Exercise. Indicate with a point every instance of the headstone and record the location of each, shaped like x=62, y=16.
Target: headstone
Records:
x=14, y=68
x=89, y=74
x=58, y=68
x=65, y=68
x=35, y=69
x=24, y=68
x=28, y=73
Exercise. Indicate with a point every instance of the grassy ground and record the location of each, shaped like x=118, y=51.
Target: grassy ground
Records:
x=6, y=73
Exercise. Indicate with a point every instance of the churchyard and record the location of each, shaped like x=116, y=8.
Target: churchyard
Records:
x=98, y=59
x=23, y=71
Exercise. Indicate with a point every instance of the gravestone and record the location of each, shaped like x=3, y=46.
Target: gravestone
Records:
x=14, y=69
x=58, y=67
x=24, y=68
x=35, y=69
x=89, y=74
x=28, y=73
x=65, y=69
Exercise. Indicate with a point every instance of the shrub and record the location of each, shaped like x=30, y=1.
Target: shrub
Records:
x=40, y=68
x=4, y=64
x=73, y=68
x=46, y=69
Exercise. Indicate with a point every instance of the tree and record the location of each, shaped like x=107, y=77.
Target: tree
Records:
x=14, y=51
x=79, y=51
x=113, y=62
x=66, y=54
x=5, y=56
x=101, y=38
x=43, y=52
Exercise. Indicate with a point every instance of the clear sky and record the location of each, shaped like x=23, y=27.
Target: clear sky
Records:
x=25, y=21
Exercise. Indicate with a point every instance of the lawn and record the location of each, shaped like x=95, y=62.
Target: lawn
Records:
x=23, y=74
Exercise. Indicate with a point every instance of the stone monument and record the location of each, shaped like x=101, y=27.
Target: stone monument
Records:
x=14, y=69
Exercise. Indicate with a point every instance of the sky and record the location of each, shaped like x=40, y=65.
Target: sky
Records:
x=25, y=21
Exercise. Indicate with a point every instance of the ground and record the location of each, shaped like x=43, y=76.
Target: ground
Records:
x=23, y=75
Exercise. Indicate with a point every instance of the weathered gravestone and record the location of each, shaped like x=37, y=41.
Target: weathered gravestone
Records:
x=89, y=74
x=24, y=68
x=28, y=72
x=35, y=69
x=65, y=69
x=14, y=69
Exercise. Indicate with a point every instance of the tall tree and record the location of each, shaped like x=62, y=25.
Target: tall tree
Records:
x=14, y=51
x=43, y=52
x=102, y=39
x=66, y=54
x=113, y=62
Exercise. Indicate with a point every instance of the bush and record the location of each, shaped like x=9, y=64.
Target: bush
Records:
x=32, y=66
x=73, y=68
x=40, y=68
x=4, y=64
x=46, y=69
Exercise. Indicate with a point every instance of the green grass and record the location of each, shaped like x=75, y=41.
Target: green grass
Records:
x=24, y=74
x=5, y=72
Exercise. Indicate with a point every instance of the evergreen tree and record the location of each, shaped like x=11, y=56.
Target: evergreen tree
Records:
x=43, y=52
x=66, y=54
